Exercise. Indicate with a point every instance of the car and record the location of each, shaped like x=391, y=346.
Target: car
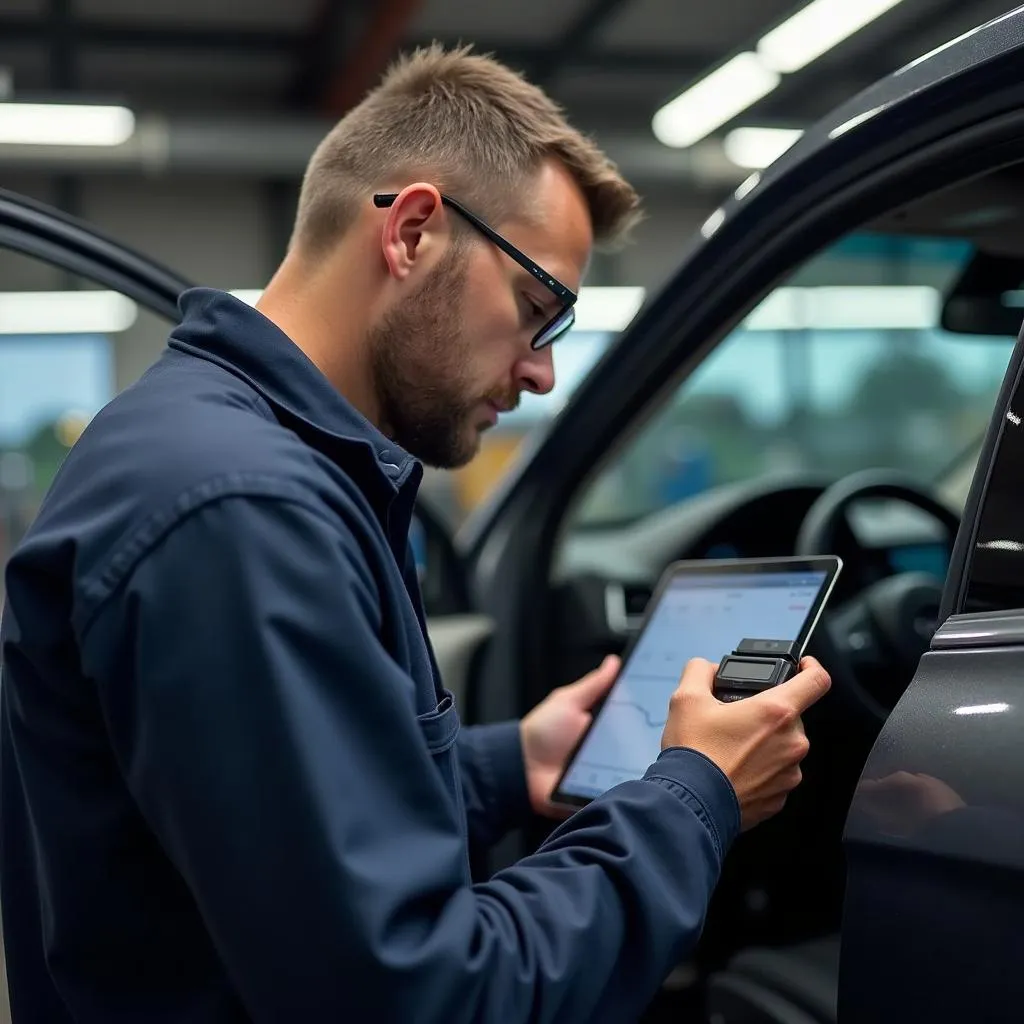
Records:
x=865, y=290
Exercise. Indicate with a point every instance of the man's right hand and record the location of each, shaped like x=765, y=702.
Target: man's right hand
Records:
x=758, y=742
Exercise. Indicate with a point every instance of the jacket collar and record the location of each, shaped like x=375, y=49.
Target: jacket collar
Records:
x=225, y=330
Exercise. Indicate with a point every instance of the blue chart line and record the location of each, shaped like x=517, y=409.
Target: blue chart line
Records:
x=643, y=711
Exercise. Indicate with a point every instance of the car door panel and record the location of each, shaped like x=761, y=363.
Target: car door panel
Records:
x=935, y=884
x=935, y=834
x=459, y=643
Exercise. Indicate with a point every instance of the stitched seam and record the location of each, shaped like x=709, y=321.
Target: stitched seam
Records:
x=101, y=586
x=695, y=803
x=734, y=799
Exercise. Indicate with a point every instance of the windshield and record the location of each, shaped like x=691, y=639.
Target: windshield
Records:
x=843, y=368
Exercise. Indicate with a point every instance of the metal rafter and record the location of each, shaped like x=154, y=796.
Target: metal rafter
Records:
x=225, y=39
x=334, y=26
x=23, y=30
x=385, y=28
x=575, y=39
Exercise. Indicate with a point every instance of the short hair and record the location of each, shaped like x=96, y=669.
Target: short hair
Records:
x=469, y=124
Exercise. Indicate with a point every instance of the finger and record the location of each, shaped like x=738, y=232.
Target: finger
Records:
x=698, y=677
x=596, y=684
x=807, y=687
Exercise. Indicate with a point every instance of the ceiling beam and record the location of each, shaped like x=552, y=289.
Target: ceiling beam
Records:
x=225, y=39
x=576, y=38
x=37, y=31
x=364, y=62
x=335, y=25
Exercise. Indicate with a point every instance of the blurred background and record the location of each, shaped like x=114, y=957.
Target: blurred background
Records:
x=182, y=129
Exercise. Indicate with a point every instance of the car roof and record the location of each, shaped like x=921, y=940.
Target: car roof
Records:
x=987, y=42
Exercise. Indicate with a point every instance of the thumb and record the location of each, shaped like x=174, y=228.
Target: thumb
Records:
x=807, y=687
x=698, y=677
x=594, y=685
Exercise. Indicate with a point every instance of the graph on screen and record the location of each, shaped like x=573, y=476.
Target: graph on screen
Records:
x=703, y=617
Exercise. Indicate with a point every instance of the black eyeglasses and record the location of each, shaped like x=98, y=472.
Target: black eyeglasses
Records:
x=563, y=319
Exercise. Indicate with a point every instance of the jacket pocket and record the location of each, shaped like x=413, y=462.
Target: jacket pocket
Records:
x=440, y=729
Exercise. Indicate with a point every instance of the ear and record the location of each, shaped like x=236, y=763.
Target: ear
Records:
x=416, y=230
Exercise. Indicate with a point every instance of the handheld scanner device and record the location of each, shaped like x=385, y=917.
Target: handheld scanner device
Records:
x=754, y=666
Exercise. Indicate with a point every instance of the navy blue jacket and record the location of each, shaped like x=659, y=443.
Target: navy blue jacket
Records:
x=233, y=786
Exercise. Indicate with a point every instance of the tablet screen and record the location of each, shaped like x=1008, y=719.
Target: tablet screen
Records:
x=698, y=614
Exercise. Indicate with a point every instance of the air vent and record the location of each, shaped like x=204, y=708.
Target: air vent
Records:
x=636, y=598
x=625, y=604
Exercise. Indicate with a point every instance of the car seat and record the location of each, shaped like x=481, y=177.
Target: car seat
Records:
x=785, y=985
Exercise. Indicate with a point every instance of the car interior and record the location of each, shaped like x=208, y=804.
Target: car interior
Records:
x=770, y=949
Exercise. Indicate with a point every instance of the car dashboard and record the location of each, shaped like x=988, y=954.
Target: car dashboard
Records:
x=604, y=576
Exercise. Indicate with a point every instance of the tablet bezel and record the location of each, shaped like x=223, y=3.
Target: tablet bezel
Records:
x=832, y=565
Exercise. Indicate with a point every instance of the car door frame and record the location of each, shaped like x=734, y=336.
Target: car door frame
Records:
x=817, y=195
x=35, y=229
x=937, y=122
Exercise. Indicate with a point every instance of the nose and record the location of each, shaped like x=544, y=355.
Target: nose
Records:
x=536, y=372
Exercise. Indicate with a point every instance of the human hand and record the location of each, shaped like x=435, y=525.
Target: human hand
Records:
x=758, y=742
x=550, y=732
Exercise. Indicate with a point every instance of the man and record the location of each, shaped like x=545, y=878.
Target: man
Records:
x=234, y=788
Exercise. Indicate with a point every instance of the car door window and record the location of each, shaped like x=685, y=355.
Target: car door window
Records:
x=66, y=347
x=995, y=569
x=844, y=367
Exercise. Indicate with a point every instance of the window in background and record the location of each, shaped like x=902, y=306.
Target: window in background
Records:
x=50, y=387
x=60, y=340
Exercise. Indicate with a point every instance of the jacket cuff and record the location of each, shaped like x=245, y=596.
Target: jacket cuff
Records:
x=503, y=771
x=705, y=787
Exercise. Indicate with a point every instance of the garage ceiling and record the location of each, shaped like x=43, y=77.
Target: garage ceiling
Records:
x=611, y=62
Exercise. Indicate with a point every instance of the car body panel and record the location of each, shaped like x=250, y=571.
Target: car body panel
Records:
x=935, y=882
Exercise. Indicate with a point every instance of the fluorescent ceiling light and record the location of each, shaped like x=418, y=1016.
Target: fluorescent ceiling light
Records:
x=815, y=29
x=847, y=308
x=64, y=124
x=597, y=308
x=982, y=709
x=755, y=148
x=81, y=312
x=714, y=100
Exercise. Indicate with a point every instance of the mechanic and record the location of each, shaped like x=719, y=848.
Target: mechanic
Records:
x=233, y=786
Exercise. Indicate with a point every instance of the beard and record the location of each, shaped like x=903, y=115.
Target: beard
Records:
x=420, y=364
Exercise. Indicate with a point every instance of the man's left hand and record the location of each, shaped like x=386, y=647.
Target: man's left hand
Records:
x=552, y=729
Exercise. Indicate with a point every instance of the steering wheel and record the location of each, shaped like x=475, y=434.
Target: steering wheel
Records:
x=876, y=639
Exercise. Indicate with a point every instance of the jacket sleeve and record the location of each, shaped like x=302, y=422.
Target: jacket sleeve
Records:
x=281, y=765
x=493, y=781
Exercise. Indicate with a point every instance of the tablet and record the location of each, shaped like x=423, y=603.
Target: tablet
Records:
x=700, y=609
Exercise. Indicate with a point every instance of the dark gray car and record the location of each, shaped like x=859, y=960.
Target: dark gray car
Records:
x=907, y=837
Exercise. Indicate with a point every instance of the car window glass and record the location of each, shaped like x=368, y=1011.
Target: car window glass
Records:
x=843, y=367
x=66, y=348
x=995, y=572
